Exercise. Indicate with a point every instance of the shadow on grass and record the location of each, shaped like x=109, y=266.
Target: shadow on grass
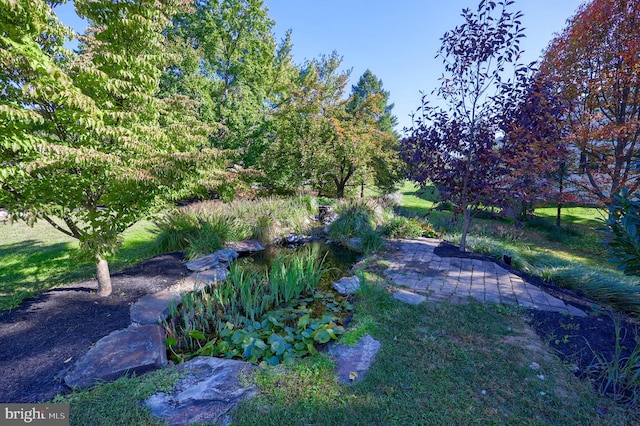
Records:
x=32, y=266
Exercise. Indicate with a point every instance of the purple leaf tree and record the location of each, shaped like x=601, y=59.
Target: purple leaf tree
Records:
x=458, y=146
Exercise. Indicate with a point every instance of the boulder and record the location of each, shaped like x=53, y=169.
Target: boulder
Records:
x=136, y=349
x=153, y=307
x=346, y=285
x=208, y=389
x=246, y=246
x=352, y=362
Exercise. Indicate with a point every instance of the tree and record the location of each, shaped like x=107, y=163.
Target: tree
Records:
x=319, y=140
x=593, y=65
x=369, y=85
x=534, y=149
x=457, y=149
x=369, y=100
x=84, y=143
x=231, y=63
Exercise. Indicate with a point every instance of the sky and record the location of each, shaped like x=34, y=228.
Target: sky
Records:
x=397, y=40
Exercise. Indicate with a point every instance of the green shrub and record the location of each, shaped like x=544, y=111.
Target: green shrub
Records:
x=623, y=223
x=175, y=231
x=402, y=227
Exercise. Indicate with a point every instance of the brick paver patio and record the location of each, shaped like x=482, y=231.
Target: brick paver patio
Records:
x=416, y=268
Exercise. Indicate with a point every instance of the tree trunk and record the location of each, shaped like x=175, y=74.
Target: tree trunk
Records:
x=558, y=214
x=340, y=188
x=465, y=229
x=104, y=278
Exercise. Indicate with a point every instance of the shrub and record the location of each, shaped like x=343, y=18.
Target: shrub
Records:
x=402, y=227
x=623, y=223
x=175, y=231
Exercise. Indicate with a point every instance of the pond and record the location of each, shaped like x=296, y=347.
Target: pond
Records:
x=337, y=259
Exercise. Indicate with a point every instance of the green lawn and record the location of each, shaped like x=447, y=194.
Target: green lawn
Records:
x=38, y=258
x=590, y=216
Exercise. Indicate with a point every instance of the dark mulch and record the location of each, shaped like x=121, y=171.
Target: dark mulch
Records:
x=44, y=336
x=576, y=340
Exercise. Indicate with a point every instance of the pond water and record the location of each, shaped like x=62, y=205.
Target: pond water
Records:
x=337, y=260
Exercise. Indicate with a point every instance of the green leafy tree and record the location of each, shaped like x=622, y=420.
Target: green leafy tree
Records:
x=231, y=63
x=325, y=140
x=84, y=143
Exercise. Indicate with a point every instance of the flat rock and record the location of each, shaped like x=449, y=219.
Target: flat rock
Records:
x=352, y=362
x=575, y=312
x=203, y=263
x=409, y=297
x=153, y=307
x=200, y=280
x=226, y=255
x=208, y=389
x=346, y=285
x=246, y=246
x=136, y=349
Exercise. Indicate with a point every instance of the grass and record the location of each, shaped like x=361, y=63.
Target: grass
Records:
x=38, y=258
x=591, y=216
x=119, y=403
x=438, y=365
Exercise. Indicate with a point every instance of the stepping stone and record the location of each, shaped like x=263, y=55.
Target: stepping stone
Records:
x=208, y=389
x=346, y=285
x=226, y=255
x=153, y=307
x=246, y=246
x=136, y=349
x=575, y=312
x=409, y=297
x=352, y=362
x=200, y=280
x=203, y=263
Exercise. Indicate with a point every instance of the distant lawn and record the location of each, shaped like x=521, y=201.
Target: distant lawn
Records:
x=35, y=259
x=590, y=216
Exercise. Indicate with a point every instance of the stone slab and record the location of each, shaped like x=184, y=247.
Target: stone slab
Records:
x=226, y=255
x=408, y=297
x=246, y=246
x=199, y=280
x=575, y=312
x=208, y=389
x=352, y=362
x=346, y=285
x=136, y=349
x=153, y=307
x=203, y=263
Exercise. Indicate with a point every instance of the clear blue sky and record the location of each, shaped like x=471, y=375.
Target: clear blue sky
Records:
x=396, y=40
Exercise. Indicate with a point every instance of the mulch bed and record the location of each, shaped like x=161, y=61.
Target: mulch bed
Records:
x=42, y=338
